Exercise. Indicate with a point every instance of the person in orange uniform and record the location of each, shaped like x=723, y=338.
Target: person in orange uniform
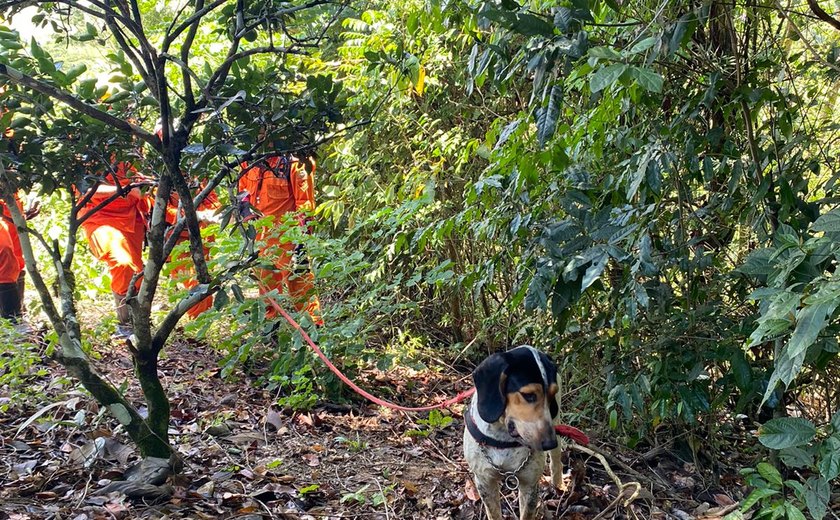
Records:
x=11, y=266
x=205, y=213
x=280, y=185
x=115, y=234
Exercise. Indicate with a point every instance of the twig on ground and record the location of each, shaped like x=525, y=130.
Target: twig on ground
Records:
x=384, y=500
x=622, y=487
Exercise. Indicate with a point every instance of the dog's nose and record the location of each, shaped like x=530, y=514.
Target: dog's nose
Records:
x=549, y=444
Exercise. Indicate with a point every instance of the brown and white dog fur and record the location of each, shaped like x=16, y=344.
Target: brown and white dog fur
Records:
x=515, y=403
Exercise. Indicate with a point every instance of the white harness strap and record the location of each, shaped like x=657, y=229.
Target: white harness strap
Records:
x=536, y=355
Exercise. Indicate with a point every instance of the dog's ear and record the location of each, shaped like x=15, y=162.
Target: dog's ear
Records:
x=489, y=378
x=551, y=377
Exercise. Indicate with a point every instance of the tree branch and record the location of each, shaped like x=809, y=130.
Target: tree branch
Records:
x=807, y=44
x=822, y=15
x=197, y=16
x=45, y=88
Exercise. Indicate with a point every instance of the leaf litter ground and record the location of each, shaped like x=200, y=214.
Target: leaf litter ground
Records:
x=245, y=459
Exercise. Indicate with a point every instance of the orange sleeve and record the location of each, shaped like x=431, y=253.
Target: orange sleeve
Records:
x=303, y=186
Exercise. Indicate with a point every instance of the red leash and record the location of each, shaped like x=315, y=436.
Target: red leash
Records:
x=457, y=399
x=561, y=429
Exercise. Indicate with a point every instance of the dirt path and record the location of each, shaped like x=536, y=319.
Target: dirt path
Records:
x=244, y=459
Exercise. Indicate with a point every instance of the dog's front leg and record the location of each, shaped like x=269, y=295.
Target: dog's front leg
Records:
x=557, y=469
x=488, y=490
x=529, y=495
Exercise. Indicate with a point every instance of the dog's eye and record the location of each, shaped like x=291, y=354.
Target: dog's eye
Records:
x=531, y=397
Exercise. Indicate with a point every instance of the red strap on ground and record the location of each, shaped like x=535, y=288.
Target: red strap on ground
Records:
x=372, y=398
x=572, y=433
x=561, y=429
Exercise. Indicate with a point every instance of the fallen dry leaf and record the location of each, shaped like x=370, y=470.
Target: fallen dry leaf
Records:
x=273, y=418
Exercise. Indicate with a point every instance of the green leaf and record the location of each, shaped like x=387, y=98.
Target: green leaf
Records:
x=786, y=432
x=594, y=271
x=810, y=321
x=563, y=19
x=36, y=50
x=770, y=474
x=607, y=53
x=221, y=300
x=796, y=458
x=793, y=512
x=606, y=76
x=817, y=495
x=644, y=45
x=757, y=495
x=828, y=222
x=829, y=464
x=647, y=79
x=74, y=72
x=835, y=422
x=547, y=116
x=11, y=44
x=530, y=25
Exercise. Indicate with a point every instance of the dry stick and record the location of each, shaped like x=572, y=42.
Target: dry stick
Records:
x=621, y=486
x=384, y=500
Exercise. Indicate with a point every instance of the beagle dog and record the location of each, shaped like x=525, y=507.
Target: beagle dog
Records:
x=509, y=427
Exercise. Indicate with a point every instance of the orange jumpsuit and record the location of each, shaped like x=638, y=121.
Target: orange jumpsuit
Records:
x=211, y=202
x=11, y=257
x=278, y=194
x=115, y=233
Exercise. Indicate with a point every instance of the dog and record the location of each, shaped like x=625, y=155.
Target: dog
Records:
x=509, y=427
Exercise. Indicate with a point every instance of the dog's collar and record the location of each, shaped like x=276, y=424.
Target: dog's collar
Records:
x=484, y=439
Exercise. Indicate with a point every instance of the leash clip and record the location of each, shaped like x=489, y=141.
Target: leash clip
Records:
x=511, y=481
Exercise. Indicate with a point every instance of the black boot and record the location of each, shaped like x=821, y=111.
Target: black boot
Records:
x=21, y=286
x=124, y=328
x=9, y=301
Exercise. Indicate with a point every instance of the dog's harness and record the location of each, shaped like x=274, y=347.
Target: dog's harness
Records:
x=511, y=481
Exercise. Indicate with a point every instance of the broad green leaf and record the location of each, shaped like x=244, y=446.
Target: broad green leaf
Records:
x=757, y=263
x=786, y=432
x=757, y=495
x=810, y=321
x=828, y=222
x=639, y=174
x=506, y=132
x=796, y=457
x=563, y=19
x=530, y=25
x=644, y=45
x=547, y=116
x=647, y=79
x=74, y=72
x=770, y=473
x=606, y=76
x=607, y=53
x=793, y=512
x=829, y=462
x=594, y=271
x=817, y=495
x=777, y=318
x=835, y=423
x=536, y=297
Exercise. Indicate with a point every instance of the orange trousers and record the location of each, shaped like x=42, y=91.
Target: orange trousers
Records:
x=300, y=286
x=11, y=260
x=186, y=270
x=120, y=250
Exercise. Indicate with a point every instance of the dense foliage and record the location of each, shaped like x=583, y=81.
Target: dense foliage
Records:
x=646, y=189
